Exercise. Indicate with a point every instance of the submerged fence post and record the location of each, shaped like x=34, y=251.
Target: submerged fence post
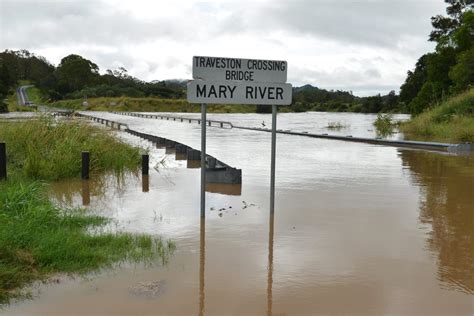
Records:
x=3, y=161
x=85, y=165
x=145, y=163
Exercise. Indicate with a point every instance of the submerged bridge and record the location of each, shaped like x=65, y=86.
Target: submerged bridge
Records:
x=446, y=147
x=216, y=170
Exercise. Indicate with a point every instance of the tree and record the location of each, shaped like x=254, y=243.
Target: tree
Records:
x=445, y=26
x=415, y=80
x=438, y=72
x=372, y=104
x=74, y=73
x=449, y=68
x=391, y=100
x=464, y=35
x=4, y=86
x=462, y=74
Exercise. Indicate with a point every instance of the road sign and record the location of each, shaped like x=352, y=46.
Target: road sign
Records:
x=237, y=69
x=238, y=81
x=235, y=92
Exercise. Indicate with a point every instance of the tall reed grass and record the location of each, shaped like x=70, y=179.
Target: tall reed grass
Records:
x=450, y=121
x=385, y=125
x=49, y=150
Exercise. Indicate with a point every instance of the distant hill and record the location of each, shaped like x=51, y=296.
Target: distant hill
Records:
x=175, y=83
x=306, y=87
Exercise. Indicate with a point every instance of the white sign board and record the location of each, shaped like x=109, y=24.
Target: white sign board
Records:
x=237, y=69
x=235, y=92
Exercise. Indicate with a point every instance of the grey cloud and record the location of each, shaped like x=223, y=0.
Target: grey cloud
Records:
x=45, y=23
x=360, y=82
x=382, y=23
x=373, y=73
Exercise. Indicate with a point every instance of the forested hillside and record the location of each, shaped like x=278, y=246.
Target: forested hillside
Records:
x=77, y=77
x=448, y=70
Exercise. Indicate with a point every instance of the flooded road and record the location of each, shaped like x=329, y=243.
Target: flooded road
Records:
x=358, y=228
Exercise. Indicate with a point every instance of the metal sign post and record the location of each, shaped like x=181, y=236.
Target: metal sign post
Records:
x=273, y=160
x=203, y=160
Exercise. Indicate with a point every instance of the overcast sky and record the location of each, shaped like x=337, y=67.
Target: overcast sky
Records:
x=361, y=45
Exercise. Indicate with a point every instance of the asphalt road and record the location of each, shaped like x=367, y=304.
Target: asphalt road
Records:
x=22, y=95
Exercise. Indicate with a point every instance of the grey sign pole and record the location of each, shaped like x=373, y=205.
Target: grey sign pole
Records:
x=272, y=172
x=203, y=160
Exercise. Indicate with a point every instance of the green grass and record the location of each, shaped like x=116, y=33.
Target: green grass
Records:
x=34, y=95
x=450, y=121
x=336, y=125
x=149, y=105
x=37, y=239
x=49, y=150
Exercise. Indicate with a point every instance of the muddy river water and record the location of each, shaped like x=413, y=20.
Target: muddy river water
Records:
x=358, y=229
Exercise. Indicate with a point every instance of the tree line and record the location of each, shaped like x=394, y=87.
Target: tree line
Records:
x=449, y=69
x=77, y=77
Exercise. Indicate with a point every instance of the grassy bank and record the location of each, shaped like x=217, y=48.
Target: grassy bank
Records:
x=34, y=95
x=149, y=105
x=450, y=121
x=38, y=239
x=49, y=150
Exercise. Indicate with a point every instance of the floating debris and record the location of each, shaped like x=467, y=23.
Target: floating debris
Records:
x=149, y=289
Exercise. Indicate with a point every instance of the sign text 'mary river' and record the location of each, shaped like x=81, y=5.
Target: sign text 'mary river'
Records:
x=239, y=81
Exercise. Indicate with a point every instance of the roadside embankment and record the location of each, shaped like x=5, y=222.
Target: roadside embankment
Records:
x=450, y=121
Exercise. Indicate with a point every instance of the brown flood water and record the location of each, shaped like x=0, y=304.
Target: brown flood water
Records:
x=358, y=229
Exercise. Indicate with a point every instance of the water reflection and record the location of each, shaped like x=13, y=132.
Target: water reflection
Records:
x=170, y=150
x=202, y=263
x=145, y=183
x=447, y=184
x=86, y=194
x=66, y=192
x=224, y=188
x=270, y=267
x=194, y=164
x=180, y=156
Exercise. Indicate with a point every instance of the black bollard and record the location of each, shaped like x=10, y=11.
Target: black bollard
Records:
x=3, y=161
x=145, y=163
x=85, y=165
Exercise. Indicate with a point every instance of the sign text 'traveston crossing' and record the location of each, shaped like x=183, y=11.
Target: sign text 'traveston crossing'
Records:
x=239, y=81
